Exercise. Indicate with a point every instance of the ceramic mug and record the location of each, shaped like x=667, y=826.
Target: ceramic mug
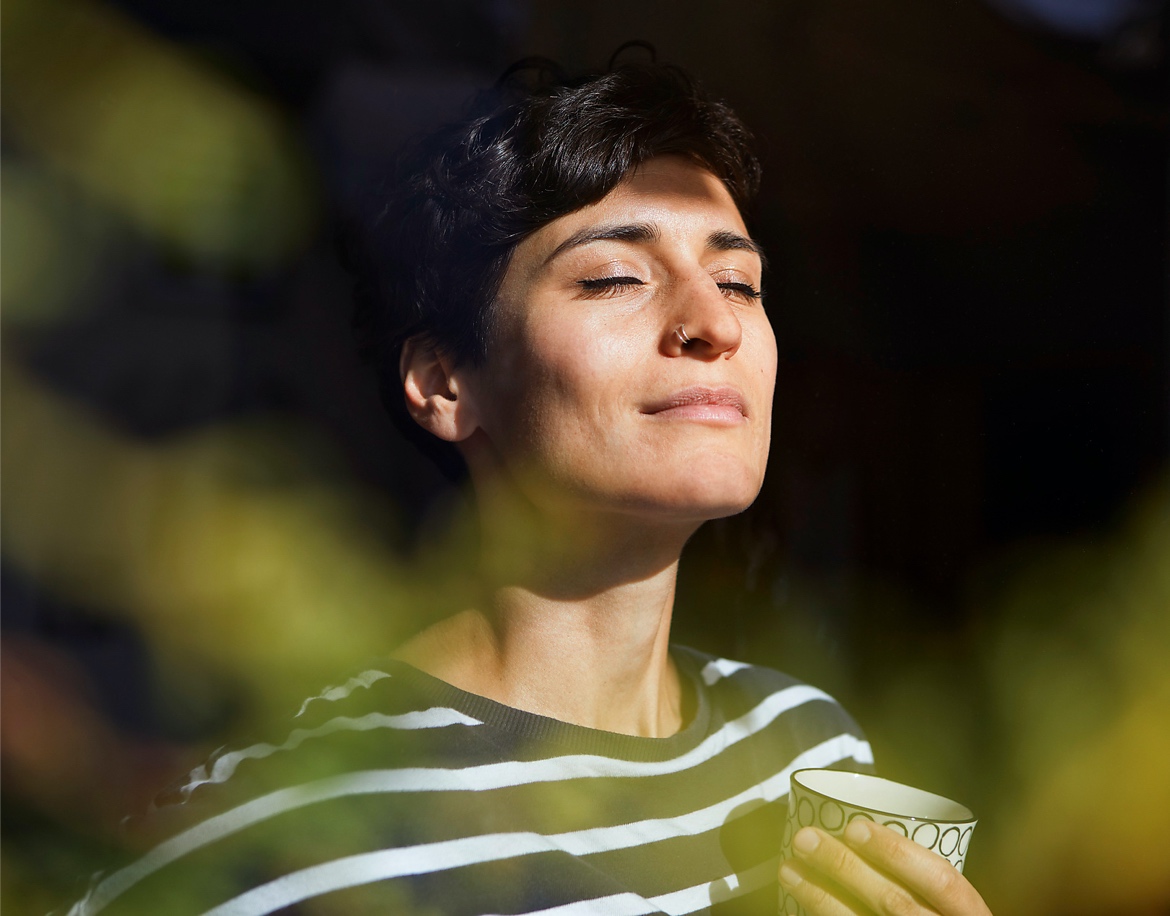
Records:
x=831, y=799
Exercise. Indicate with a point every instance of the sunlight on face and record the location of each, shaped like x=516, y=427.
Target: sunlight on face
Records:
x=590, y=397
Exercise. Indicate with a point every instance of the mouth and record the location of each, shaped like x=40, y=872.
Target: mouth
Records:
x=711, y=405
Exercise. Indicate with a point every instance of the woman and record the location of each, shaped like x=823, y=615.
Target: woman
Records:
x=563, y=300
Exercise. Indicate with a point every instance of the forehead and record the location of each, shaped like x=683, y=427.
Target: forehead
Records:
x=668, y=194
x=670, y=181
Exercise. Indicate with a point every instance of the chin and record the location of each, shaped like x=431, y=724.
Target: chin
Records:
x=724, y=489
x=711, y=511
x=692, y=491
x=699, y=500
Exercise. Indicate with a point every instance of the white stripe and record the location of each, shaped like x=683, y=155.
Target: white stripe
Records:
x=699, y=896
x=366, y=868
x=225, y=766
x=199, y=775
x=365, y=679
x=677, y=903
x=480, y=778
x=720, y=668
x=627, y=904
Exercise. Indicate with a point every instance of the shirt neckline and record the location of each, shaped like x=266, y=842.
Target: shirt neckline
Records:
x=567, y=737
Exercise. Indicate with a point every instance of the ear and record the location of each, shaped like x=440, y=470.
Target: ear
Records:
x=436, y=395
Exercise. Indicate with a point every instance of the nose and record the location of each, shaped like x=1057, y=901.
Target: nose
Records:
x=703, y=323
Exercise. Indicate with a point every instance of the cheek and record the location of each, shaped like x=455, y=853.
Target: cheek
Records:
x=580, y=370
x=547, y=404
x=769, y=357
x=763, y=355
x=759, y=353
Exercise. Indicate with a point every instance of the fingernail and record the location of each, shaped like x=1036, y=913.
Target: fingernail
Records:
x=789, y=877
x=806, y=840
x=857, y=832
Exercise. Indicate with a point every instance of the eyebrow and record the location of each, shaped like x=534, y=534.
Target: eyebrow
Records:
x=726, y=240
x=720, y=240
x=628, y=232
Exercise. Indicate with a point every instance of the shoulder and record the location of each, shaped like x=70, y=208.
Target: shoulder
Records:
x=808, y=723
x=725, y=671
x=378, y=718
x=726, y=676
x=336, y=769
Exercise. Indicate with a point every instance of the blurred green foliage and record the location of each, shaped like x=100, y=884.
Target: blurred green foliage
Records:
x=208, y=168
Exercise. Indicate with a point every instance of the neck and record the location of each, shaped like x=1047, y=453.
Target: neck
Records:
x=572, y=622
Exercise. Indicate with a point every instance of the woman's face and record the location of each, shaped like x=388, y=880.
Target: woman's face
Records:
x=589, y=398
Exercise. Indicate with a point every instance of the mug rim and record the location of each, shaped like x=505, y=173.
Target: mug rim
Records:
x=970, y=818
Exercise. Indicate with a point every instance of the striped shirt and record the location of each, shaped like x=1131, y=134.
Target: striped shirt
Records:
x=398, y=793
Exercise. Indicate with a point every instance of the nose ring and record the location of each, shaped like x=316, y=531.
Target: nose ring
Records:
x=681, y=333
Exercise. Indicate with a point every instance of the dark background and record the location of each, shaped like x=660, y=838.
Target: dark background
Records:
x=965, y=216
x=965, y=219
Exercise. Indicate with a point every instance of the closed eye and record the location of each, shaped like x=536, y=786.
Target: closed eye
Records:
x=609, y=285
x=740, y=289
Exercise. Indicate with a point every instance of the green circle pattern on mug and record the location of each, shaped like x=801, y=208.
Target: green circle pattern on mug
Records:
x=831, y=800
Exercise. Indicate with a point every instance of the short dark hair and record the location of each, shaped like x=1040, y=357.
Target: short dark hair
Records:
x=537, y=146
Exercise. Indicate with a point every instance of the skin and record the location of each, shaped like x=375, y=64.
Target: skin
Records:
x=872, y=869
x=587, y=490
x=598, y=441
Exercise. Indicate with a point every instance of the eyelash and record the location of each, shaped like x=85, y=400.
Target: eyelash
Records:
x=613, y=285
x=609, y=285
x=744, y=289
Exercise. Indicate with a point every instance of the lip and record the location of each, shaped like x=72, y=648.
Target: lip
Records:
x=698, y=403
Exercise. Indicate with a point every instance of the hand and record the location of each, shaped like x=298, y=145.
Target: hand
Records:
x=872, y=869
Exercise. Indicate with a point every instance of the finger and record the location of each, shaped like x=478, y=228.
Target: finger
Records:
x=877, y=891
x=925, y=873
x=815, y=893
